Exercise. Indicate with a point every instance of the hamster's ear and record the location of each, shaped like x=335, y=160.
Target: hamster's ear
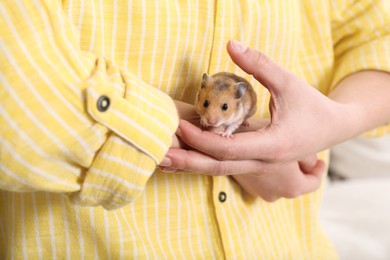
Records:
x=241, y=88
x=205, y=79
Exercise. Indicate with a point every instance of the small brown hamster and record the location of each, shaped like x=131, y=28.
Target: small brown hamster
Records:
x=224, y=102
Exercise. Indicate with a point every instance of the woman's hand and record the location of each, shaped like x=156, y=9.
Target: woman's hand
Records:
x=270, y=181
x=303, y=120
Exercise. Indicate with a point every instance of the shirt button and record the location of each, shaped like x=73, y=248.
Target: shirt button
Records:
x=103, y=103
x=222, y=196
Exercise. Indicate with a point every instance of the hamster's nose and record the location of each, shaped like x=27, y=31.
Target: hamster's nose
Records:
x=211, y=121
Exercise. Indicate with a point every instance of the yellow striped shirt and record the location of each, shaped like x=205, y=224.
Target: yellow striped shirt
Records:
x=86, y=113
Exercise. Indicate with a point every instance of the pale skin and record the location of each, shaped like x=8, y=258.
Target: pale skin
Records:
x=277, y=158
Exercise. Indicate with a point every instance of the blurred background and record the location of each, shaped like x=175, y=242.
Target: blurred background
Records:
x=356, y=207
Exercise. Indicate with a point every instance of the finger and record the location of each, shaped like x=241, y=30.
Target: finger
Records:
x=253, y=62
x=308, y=163
x=195, y=162
x=243, y=146
x=313, y=178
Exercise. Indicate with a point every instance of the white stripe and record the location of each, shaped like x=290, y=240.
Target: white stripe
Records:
x=190, y=215
x=30, y=115
x=256, y=35
x=177, y=47
x=155, y=40
x=93, y=27
x=114, y=193
x=33, y=169
x=191, y=57
x=70, y=47
x=93, y=231
x=121, y=239
x=237, y=216
x=70, y=9
x=75, y=171
x=22, y=218
x=80, y=232
x=49, y=84
x=81, y=15
x=183, y=59
x=133, y=124
x=107, y=234
x=199, y=229
x=12, y=225
x=266, y=51
x=302, y=209
x=145, y=220
x=102, y=38
x=157, y=209
x=150, y=104
x=124, y=118
x=178, y=209
x=66, y=227
x=114, y=29
x=51, y=226
x=139, y=128
x=133, y=237
x=9, y=173
x=224, y=212
x=313, y=77
x=195, y=226
x=150, y=117
x=231, y=35
x=325, y=49
x=206, y=38
x=283, y=50
x=204, y=208
x=132, y=167
x=142, y=37
x=120, y=181
x=128, y=34
x=222, y=32
x=50, y=37
x=168, y=216
x=167, y=44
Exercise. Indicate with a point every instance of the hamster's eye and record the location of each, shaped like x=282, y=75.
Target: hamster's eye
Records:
x=206, y=103
x=224, y=107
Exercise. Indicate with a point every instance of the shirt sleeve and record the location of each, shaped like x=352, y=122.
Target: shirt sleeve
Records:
x=72, y=122
x=361, y=33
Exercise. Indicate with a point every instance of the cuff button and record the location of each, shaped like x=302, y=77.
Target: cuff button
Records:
x=103, y=103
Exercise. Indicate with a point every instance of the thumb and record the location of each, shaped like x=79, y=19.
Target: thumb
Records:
x=253, y=62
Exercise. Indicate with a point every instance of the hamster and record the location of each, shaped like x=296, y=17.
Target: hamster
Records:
x=224, y=102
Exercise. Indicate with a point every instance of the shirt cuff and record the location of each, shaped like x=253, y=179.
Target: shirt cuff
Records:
x=117, y=176
x=140, y=120
x=137, y=112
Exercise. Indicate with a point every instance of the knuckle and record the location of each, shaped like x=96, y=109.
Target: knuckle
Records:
x=219, y=169
x=294, y=192
x=270, y=198
x=261, y=59
x=229, y=153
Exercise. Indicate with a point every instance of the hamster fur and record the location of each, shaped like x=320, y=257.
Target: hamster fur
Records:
x=224, y=102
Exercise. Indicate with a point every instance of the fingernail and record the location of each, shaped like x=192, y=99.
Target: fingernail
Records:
x=237, y=46
x=166, y=162
x=169, y=169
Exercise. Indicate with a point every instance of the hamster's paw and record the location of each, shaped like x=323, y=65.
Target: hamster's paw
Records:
x=226, y=134
x=245, y=123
